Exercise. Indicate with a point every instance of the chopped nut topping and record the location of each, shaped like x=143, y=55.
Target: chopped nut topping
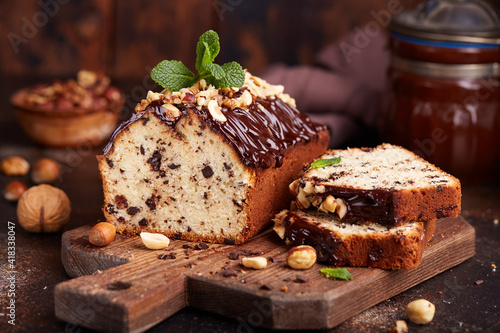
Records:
x=215, y=111
x=202, y=95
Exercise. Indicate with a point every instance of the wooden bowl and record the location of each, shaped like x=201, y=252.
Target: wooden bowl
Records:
x=66, y=128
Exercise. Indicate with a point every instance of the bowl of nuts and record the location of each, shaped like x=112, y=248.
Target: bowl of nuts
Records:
x=69, y=113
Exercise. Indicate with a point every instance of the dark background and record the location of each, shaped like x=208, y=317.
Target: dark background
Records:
x=125, y=38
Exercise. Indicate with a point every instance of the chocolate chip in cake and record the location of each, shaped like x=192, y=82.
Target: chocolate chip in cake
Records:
x=155, y=160
x=227, y=166
x=151, y=202
x=143, y=223
x=145, y=120
x=207, y=172
x=121, y=201
x=439, y=189
x=178, y=235
x=110, y=163
x=110, y=208
x=173, y=166
x=121, y=219
x=228, y=241
x=133, y=210
x=141, y=148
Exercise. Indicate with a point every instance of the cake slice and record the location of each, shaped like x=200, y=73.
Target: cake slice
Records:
x=343, y=244
x=388, y=185
x=207, y=164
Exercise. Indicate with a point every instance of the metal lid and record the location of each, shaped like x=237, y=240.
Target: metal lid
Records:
x=466, y=21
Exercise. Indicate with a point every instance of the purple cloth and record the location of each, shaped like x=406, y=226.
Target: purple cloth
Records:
x=345, y=89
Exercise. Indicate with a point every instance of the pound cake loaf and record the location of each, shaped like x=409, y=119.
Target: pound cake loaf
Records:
x=339, y=243
x=207, y=164
x=388, y=185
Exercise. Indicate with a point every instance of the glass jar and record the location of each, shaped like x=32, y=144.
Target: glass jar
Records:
x=443, y=94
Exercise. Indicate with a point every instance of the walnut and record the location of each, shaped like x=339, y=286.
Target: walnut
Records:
x=43, y=208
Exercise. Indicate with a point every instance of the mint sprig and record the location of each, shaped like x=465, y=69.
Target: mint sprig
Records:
x=174, y=75
x=324, y=162
x=336, y=273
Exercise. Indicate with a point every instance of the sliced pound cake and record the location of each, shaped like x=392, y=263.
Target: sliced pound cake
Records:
x=388, y=185
x=207, y=164
x=343, y=244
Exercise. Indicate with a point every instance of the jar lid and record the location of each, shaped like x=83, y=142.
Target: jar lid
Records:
x=462, y=21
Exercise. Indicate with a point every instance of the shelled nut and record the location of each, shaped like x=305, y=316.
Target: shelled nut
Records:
x=254, y=262
x=420, y=311
x=400, y=327
x=14, y=166
x=301, y=257
x=155, y=241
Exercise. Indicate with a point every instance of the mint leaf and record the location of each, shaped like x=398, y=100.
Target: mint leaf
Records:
x=324, y=163
x=207, y=49
x=235, y=76
x=211, y=72
x=172, y=75
x=336, y=273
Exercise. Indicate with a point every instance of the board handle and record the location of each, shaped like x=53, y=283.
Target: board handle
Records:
x=125, y=298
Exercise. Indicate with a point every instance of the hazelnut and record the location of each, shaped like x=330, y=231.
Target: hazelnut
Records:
x=400, y=327
x=254, y=262
x=14, y=166
x=154, y=241
x=43, y=208
x=420, y=311
x=14, y=190
x=102, y=234
x=301, y=257
x=45, y=170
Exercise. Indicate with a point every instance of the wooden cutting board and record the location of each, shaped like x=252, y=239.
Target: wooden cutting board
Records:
x=125, y=287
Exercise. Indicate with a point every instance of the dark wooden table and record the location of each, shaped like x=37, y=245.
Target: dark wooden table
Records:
x=467, y=297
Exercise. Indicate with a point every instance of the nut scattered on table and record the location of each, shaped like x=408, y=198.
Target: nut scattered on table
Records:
x=400, y=327
x=102, y=234
x=14, y=166
x=254, y=262
x=154, y=241
x=43, y=208
x=14, y=190
x=301, y=257
x=420, y=311
x=45, y=170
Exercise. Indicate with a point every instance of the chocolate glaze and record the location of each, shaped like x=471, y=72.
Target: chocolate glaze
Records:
x=365, y=205
x=323, y=241
x=260, y=137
